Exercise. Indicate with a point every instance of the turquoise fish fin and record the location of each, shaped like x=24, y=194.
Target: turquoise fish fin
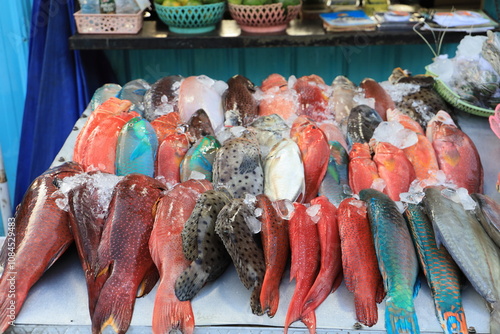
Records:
x=400, y=320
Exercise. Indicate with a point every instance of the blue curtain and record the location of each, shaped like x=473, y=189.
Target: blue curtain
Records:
x=56, y=91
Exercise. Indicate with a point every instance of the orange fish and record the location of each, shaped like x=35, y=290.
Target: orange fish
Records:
x=166, y=125
x=278, y=98
x=383, y=100
x=458, y=157
x=275, y=242
x=165, y=245
x=112, y=106
x=304, y=245
x=333, y=133
x=168, y=160
x=315, y=153
x=359, y=260
x=100, y=151
x=40, y=236
x=394, y=168
x=313, y=98
x=125, y=266
x=330, y=272
x=362, y=170
x=406, y=121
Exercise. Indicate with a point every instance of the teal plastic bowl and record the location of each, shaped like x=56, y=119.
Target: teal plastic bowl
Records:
x=191, y=19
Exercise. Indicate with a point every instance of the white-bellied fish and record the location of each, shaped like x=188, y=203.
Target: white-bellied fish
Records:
x=488, y=214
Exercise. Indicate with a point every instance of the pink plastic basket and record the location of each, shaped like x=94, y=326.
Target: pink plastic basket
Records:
x=265, y=18
x=108, y=23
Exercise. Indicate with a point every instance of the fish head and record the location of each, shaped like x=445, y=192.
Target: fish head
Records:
x=360, y=150
x=273, y=122
x=397, y=74
x=199, y=124
x=274, y=80
x=343, y=82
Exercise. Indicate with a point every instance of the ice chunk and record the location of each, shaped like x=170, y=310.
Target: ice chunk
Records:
x=461, y=196
x=470, y=47
x=394, y=133
x=250, y=200
x=401, y=206
x=400, y=90
x=258, y=212
x=443, y=68
x=412, y=197
x=253, y=224
x=291, y=81
x=284, y=208
x=220, y=87
x=195, y=175
x=358, y=204
x=313, y=210
x=378, y=184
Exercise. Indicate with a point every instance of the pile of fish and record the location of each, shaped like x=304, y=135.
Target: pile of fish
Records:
x=172, y=182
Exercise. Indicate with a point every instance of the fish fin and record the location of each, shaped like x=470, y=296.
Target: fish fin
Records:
x=255, y=301
x=143, y=147
x=58, y=254
x=417, y=286
x=270, y=296
x=380, y=292
x=338, y=280
x=171, y=315
x=189, y=233
x=309, y=320
x=148, y=282
x=366, y=309
x=453, y=322
x=400, y=320
x=317, y=294
x=190, y=282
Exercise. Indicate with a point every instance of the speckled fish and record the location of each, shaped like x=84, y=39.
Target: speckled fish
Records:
x=125, y=265
x=472, y=249
x=162, y=97
x=305, y=254
x=342, y=100
x=315, y=154
x=335, y=184
x=274, y=234
x=359, y=260
x=110, y=107
x=314, y=97
x=330, y=272
x=284, y=172
x=394, y=168
x=362, y=170
x=202, y=246
x=239, y=100
x=136, y=148
x=361, y=124
x=168, y=160
x=488, y=214
x=166, y=125
x=278, y=98
x=104, y=93
x=269, y=131
x=458, y=157
x=197, y=163
x=199, y=125
x=41, y=236
x=423, y=102
x=397, y=261
x=247, y=256
x=165, y=246
x=383, y=100
x=134, y=91
x=237, y=167
x=442, y=273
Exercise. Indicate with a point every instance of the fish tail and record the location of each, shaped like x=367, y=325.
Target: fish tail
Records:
x=309, y=319
x=12, y=297
x=190, y=282
x=255, y=301
x=270, y=296
x=495, y=321
x=454, y=322
x=113, y=309
x=400, y=320
x=318, y=293
x=170, y=314
x=366, y=310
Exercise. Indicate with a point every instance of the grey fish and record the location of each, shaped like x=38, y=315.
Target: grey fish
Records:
x=199, y=125
x=239, y=98
x=247, y=256
x=162, y=97
x=335, y=185
x=361, y=124
x=491, y=50
x=134, y=92
x=103, y=93
x=269, y=131
x=202, y=246
x=488, y=214
x=237, y=166
x=469, y=245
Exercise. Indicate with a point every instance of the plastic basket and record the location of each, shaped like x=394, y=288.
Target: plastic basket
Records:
x=265, y=18
x=454, y=99
x=108, y=23
x=191, y=19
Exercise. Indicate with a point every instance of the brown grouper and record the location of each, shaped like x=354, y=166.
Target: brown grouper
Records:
x=40, y=235
x=125, y=265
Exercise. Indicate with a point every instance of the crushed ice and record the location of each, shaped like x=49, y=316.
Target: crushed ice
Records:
x=461, y=196
x=253, y=224
x=400, y=90
x=313, y=211
x=394, y=133
x=196, y=175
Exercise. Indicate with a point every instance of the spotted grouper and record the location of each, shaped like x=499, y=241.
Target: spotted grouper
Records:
x=202, y=246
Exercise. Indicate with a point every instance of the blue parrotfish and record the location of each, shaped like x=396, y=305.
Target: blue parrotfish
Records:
x=198, y=161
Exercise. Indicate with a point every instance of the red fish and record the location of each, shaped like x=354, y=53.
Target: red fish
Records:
x=330, y=272
x=275, y=242
x=362, y=169
x=394, y=168
x=313, y=98
x=315, y=153
x=333, y=133
x=168, y=160
x=305, y=250
x=406, y=121
x=165, y=245
x=278, y=98
x=125, y=264
x=495, y=121
x=359, y=260
x=100, y=151
x=40, y=237
x=112, y=106
x=458, y=157
x=166, y=125
x=383, y=100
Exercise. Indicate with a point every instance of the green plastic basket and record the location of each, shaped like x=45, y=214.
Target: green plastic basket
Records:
x=191, y=19
x=454, y=99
